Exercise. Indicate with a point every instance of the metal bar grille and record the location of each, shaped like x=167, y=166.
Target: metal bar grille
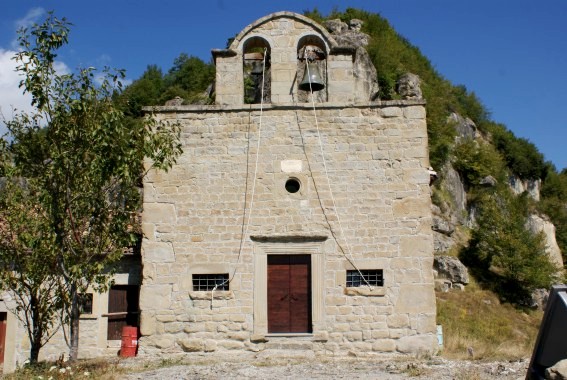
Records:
x=374, y=277
x=207, y=282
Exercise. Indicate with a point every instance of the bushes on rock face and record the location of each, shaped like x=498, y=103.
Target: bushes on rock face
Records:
x=511, y=258
x=475, y=160
x=554, y=204
x=522, y=157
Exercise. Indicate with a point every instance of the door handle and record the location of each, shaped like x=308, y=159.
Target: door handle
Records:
x=284, y=297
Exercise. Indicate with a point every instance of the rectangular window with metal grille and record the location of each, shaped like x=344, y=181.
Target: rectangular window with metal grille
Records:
x=207, y=282
x=372, y=277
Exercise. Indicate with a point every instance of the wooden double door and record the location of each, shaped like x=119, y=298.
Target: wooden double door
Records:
x=289, y=294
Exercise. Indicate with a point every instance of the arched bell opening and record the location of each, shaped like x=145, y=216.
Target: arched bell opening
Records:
x=311, y=69
x=256, y=66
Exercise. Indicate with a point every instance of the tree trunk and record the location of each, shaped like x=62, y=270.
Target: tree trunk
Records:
x=36, y=330
x=34, y=352
x=74, y=324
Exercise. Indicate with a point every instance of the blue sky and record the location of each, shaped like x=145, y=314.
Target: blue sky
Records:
x=512, y=54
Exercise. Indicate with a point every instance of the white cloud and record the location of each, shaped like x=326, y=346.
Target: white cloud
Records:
x=61, y=68
x=100, y=76
x=11, y=97
x=28, y=20
x=103, y=60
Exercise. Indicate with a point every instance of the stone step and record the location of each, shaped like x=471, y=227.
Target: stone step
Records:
x=287, y=353
x=287, y=343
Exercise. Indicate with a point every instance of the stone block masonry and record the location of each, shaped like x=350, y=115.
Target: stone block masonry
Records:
x=379, y=182
x=265, y=232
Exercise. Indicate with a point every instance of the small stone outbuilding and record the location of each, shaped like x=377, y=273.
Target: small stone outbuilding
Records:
x=293, y=219
x=103, y=315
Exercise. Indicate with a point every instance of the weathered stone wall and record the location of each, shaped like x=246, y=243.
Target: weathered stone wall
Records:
x=285, y=32
x=376, y=165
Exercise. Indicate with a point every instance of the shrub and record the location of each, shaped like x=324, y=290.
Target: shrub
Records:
x=475, y=160
x=513, y=259
x=522, y=157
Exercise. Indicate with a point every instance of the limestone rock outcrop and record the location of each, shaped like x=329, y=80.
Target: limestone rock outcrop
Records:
x=558, y=371
x=537, y=224
x=456, y=190
x=409, y=86
x=350, y=36
x=451, y=268
x=538, y=299
x=177, y=101
x=531, y=186
x=452, y=213
x=441, y=224
x=489, y=181
x=465, y=127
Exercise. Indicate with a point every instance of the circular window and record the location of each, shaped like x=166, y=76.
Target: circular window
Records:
x=292, y=185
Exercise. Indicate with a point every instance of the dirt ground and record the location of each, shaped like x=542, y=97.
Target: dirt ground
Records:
x=283, y=366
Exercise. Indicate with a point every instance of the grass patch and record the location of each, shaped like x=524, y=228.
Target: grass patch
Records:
x=414, y=370
x=103, y=369
x=477, y=326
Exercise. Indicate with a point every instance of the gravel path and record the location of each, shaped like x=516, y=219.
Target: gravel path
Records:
x=199, y=366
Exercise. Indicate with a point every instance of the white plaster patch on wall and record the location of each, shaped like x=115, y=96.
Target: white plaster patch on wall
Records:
x=292, y=166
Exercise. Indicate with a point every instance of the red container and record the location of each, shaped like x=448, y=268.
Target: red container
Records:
x=129, y=342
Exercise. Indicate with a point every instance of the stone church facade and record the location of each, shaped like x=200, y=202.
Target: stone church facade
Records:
x=290, y=220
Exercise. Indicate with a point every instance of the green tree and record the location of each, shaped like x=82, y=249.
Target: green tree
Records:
x=27, y=261
x=522, y=157
x=83, y=159
x=189, y=78
x=190, y=73
x=502, y=245
x=145, y=91
x=476, y=160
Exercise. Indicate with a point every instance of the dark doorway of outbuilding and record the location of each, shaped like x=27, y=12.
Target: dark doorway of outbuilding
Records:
x=122, y=309
x=289, y=294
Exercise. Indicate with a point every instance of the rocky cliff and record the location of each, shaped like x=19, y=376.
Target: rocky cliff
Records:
x=455, y=210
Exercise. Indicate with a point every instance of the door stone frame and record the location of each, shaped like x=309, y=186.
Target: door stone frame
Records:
x=312, y=246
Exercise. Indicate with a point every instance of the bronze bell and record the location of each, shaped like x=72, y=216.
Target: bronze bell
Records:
x=312, y=79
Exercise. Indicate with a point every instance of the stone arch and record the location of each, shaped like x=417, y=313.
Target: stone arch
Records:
x=316, y=28
x=256, y=56
x=312, y=48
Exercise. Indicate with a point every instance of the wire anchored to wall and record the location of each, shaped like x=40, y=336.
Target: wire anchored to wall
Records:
x=246, y=221
x=348, y=252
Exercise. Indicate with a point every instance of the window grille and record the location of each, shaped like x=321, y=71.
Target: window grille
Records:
x=207, y=282
x=374, y=277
